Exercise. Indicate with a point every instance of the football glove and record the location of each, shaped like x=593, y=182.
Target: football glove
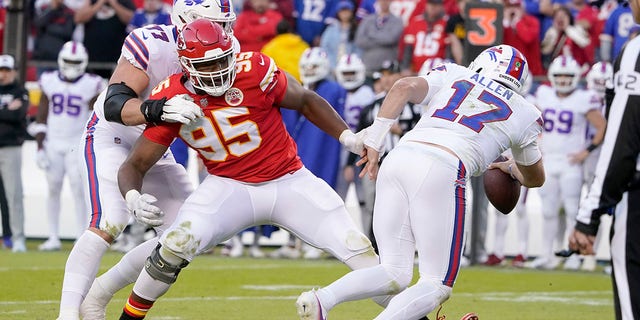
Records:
x=141, y=205
x=180, y=108
x=353, y=141
x=42, y=160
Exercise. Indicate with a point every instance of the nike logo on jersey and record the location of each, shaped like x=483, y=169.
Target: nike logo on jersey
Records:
x=144, y=36
x=261, y=61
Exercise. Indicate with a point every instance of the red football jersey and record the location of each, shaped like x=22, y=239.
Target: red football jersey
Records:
x=242, y=135
x=429, y=40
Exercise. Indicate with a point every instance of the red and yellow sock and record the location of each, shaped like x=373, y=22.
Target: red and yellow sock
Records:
x=135, y=309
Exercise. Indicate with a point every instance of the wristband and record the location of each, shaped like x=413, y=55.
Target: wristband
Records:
x=510, y=167
x=377, y=132
x=152, y=110
x=591, y=147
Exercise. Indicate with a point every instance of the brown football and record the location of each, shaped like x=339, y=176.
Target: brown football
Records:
x=501, y=190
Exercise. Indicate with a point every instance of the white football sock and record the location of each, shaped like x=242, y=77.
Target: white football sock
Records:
x=81, y=268
x=126, y=271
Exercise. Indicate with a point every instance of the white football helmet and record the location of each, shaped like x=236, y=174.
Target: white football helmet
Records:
x=564, y=74
x=504, y=64
x=206, y=54
x=350, y=71
x=429, y=64
x=72, y=60
x=600, y=77
x=220, y=11
x=314, y=65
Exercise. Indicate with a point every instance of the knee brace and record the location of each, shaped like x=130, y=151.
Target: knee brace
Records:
x=161, y=269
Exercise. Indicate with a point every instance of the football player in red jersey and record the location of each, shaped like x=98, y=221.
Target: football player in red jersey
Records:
x=256, y=176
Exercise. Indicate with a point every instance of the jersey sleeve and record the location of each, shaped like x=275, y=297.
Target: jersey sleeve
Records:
x=274, y=80
x=436, y=78
x=148, y=43
x=525, y=150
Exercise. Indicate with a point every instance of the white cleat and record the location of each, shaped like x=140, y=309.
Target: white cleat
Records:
x=255, y=252
x=572, y=263
x=543, y=263
x=94, y=306
x=286, y=252
x=589, y=263
x=50, y=245
x=309, y=307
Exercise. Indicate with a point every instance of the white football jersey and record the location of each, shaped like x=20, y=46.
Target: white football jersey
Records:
x=477, y=118
x=68, y=104
x=355, y=102
x=152, y=49
x=565, y=120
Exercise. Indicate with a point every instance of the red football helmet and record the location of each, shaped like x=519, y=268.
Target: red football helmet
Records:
x=206, y=54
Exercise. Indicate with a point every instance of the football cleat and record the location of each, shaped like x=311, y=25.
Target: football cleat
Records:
x=572, y=263
x=493, y=260
x=589, y=263
x=309, y=307
x=50, y=245
x=543, y=263
x=518, y=261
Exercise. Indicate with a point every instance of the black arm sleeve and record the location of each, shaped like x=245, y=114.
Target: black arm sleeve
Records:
x=117, y=95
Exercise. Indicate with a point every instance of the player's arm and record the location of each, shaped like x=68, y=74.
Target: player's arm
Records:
x=597, y=120
x=143, y=156
x=122, y=103
x=403, y=91
x=313, y=107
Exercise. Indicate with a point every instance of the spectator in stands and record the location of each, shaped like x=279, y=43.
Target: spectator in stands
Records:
x=256, y=26
x=586, y=17
x=105, y=23
x=14, y=102
x=424, y=38
x=152, y=12
x=564, y=37
x=378, y=36
x=312, y=18
x=615, y=33
x=521, y=31
x=338, y=38
x=286, y=48
x=285, y=7
x=54, y=25
x=457, y=32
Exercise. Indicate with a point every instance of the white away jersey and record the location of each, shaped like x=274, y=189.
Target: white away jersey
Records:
x=477, y=118
x=355, y=102
x=68, y=103
x=565, y=120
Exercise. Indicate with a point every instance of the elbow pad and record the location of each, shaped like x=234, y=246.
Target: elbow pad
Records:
x=117, y=95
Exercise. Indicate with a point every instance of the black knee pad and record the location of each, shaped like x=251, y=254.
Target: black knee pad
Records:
x=160, y=269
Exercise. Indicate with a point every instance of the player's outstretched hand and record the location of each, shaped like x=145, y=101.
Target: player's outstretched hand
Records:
x=42, y=160
x=141, y=205
x=181, y=108
x=353, y=141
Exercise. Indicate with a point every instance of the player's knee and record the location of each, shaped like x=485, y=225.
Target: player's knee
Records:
x=440, y=291
x=163, y=265
x=181, y=241
x=358, y=242
x=400, y=276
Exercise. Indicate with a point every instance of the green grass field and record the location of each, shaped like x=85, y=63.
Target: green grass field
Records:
x=215, y=287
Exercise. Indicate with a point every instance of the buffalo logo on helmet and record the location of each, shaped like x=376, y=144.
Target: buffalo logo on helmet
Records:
x=233, y=97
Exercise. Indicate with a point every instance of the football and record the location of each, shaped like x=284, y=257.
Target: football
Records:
x=501, y=190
